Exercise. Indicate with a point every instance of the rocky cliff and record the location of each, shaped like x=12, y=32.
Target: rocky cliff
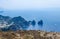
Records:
x=15, y=23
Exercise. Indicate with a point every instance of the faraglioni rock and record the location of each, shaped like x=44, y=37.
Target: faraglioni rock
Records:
x=40, y=22
x=33, y=22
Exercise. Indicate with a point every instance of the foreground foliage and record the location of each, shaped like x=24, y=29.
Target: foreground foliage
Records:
x=32, y=34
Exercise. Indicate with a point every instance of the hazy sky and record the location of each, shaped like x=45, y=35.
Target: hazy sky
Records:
x=29, y=4
x=50, y=18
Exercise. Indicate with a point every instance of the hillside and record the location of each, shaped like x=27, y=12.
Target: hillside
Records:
x=32, y=34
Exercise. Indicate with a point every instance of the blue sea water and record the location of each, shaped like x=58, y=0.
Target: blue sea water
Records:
x=51, y=19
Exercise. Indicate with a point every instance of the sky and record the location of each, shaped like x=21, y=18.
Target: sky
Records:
x=50, y=13
x=29, y=4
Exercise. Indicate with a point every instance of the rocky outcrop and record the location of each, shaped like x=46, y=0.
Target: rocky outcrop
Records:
x=40, y=22
x=15, y=23
x=33, y=23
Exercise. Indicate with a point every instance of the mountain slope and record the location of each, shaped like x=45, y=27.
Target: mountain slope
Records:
x=16, y=23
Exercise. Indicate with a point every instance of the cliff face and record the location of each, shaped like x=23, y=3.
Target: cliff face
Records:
x=15, y=23
x=29, y=35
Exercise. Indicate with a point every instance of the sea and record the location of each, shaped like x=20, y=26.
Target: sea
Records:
x=51, y=19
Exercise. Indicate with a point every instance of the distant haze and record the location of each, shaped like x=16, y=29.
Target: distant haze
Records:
x=29, y=4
